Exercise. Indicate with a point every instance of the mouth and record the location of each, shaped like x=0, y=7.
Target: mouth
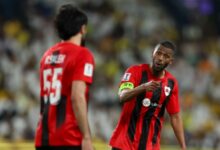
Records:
x=158, y=65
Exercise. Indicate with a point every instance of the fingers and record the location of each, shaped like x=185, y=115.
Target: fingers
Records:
x=152, y=85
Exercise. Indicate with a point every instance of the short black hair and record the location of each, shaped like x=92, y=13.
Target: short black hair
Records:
x=69, y=21
x=168, y=44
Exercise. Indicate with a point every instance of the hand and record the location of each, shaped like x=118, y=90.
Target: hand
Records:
x=152, y=85
x=87, y=144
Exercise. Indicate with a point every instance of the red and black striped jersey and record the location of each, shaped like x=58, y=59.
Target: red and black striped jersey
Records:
x=141, y=118
x=59, y=66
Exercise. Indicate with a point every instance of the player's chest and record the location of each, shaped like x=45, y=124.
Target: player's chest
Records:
x=157, y=97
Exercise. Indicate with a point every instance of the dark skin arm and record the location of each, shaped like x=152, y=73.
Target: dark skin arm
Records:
x=79, y=105
x=177, y=125
x=128, y=94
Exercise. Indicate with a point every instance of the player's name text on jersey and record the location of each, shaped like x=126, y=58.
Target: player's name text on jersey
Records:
x=55, y=59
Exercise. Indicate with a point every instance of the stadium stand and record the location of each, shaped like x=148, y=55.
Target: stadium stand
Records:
x=121, y=33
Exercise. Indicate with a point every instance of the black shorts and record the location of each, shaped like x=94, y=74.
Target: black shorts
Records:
x=59, y=148
x=113, y=148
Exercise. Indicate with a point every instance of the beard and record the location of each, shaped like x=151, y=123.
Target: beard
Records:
x=83, y=42
x=158, y=69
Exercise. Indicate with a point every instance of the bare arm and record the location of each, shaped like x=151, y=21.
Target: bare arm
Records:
x=80, y=110
x=127, y=94
x=177, y=125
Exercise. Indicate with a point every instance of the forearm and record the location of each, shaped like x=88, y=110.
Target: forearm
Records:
x=128, y=94
x=80, y=111
x=177, y=126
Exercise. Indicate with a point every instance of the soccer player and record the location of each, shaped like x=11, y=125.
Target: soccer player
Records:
x=66, y=71
x=146, y=91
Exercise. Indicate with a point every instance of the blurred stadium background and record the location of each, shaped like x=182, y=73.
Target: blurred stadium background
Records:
x=120, y=33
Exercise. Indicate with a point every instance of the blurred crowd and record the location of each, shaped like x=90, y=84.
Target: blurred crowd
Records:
x=120, y=33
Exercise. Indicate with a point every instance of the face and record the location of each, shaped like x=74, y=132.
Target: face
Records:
x=162, y=57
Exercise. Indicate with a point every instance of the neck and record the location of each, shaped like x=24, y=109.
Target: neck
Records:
x=158, y=74
x=76, y=39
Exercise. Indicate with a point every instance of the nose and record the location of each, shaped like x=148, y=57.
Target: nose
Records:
x=160, y=57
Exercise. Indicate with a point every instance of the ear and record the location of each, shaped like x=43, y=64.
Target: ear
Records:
x=83, y=29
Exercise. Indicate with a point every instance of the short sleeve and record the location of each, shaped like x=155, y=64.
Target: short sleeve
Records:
x=84, y=67
x=129, y=79
x=173, y=104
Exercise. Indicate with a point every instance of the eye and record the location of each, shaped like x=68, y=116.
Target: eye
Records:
x=167, y=56
x=159, y=53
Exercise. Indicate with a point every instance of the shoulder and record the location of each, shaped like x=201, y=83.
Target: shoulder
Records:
x=172, y=78
x=79, y=53
x=170, y=75
x=137, y=67
x=72, y=48
x=133, y=71
x=86, y=51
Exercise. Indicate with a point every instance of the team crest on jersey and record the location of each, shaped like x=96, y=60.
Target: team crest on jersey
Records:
x=167, y=90
x=88, y=70
x=126, y=77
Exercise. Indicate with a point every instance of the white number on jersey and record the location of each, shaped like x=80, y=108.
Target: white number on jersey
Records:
x=53, y=87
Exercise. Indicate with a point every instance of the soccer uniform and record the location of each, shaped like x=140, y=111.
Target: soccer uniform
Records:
x=141, y=118
x=59, y=66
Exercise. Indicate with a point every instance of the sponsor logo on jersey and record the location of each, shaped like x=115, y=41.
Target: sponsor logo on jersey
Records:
x=146, y=102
